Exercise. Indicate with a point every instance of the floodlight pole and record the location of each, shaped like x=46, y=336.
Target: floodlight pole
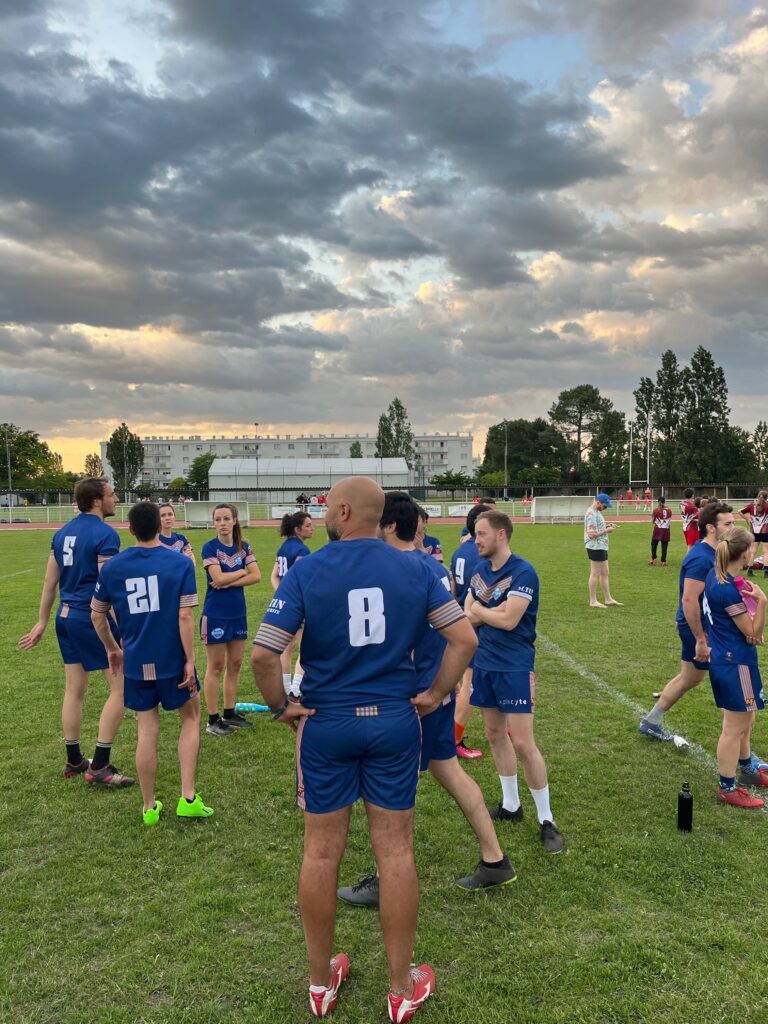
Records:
x=631, y=429
x=8, y=463
x=256, y=430
x=506, y=446
x=125, y=468
x=648, y=454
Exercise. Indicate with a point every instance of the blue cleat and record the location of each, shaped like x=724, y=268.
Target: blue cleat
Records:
x=655, y=731
x=758, y=764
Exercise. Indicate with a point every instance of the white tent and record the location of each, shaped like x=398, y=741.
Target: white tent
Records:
x=227, y=477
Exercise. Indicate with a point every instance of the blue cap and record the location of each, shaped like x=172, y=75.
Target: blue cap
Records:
x=604, y=499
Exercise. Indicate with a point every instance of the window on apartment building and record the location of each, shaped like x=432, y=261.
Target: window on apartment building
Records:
x=290, y=446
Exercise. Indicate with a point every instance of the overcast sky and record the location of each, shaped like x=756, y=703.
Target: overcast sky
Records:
x=215, y=212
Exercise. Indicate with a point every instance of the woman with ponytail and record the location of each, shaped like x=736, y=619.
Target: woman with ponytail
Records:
x=229, y=565
x=733, y=634
x=296, y=527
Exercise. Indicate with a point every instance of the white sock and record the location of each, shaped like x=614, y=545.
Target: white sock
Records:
x=287, y=682
x=510, y=798
x=297, y=678
x=541, y=799
x=318, y=988
x=655, y=715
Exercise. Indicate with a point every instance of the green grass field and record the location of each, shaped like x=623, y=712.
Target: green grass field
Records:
x=106, y=922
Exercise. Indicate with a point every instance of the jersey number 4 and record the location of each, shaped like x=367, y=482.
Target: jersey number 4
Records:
x=367, y=624
x=143, y=595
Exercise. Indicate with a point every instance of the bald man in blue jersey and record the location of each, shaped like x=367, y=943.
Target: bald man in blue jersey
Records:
x=364, y=608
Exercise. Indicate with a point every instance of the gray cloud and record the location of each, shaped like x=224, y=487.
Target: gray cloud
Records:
x=321, y=205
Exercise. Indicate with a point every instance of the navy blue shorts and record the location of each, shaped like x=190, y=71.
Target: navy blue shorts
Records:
x=370, y=752
x=688, y=640
x=514, y=693
x=438, y=737
x=79, y=642
x=145, y=694
x=737, y=687
x=221, y=631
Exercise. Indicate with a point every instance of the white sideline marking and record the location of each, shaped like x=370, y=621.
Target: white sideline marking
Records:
x=19, y=573
x=700, y=754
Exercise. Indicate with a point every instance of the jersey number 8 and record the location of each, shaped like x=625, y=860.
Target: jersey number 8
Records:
x=143, y=595
x=367, y=624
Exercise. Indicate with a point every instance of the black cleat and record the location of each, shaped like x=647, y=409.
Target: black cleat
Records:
x=364, y=893
x=552, y=837
x=500, y=813
x=484, y=877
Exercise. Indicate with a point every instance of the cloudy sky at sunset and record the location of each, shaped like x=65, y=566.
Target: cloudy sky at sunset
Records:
x=215, y=212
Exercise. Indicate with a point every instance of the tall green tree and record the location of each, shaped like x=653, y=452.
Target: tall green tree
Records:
x=197, y=476
x=608, y=449
x=355, y=450
x=394, y=436
x=93, y=465
x=576, y=413
x=125, y=454
x=32, y=462
x=760, y=446
x=668, y=402
x=530, y=444
x=704, y=421
x=384, y=441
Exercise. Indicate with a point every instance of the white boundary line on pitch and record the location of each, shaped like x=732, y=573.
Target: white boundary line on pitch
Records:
x=701, y=755
x=19, y=573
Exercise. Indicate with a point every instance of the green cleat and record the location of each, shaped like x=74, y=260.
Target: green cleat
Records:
x=196, y=809
x=152, y=816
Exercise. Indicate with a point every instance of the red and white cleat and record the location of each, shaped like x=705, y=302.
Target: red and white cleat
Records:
x=467, y=753
x=402, y=1008
x=739, y=798
x=321, y=1003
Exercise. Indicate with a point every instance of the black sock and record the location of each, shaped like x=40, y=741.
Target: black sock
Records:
x=494, y=863
x=213, y=718
x=101, y=756
x=190, y=801
x=74, y=753
x=229, y=713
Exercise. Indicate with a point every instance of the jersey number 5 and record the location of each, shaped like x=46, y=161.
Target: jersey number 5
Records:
x=68, y=550
x=367, y=624
x=143, y=595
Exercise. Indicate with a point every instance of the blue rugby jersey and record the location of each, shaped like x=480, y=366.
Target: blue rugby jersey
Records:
x=428, y=652
x=463, y=564
x=176, y=542
x=433, y=548
x=287, y=554
x=77, y=548
x=696, y=566
x=364, y=606
x=722, y=603
x=146, y=587
x=229, y=603
x=506, y=650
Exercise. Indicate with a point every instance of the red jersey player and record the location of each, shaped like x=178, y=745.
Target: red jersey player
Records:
x=756, y=514
x=662, y=522
x=689, y=514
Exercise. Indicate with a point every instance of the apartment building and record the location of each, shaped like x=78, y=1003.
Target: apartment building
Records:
x=166, y=458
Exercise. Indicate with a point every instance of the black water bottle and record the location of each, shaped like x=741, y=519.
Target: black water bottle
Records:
x=685, y=809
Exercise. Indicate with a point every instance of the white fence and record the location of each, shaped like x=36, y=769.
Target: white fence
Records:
x=197, y=513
